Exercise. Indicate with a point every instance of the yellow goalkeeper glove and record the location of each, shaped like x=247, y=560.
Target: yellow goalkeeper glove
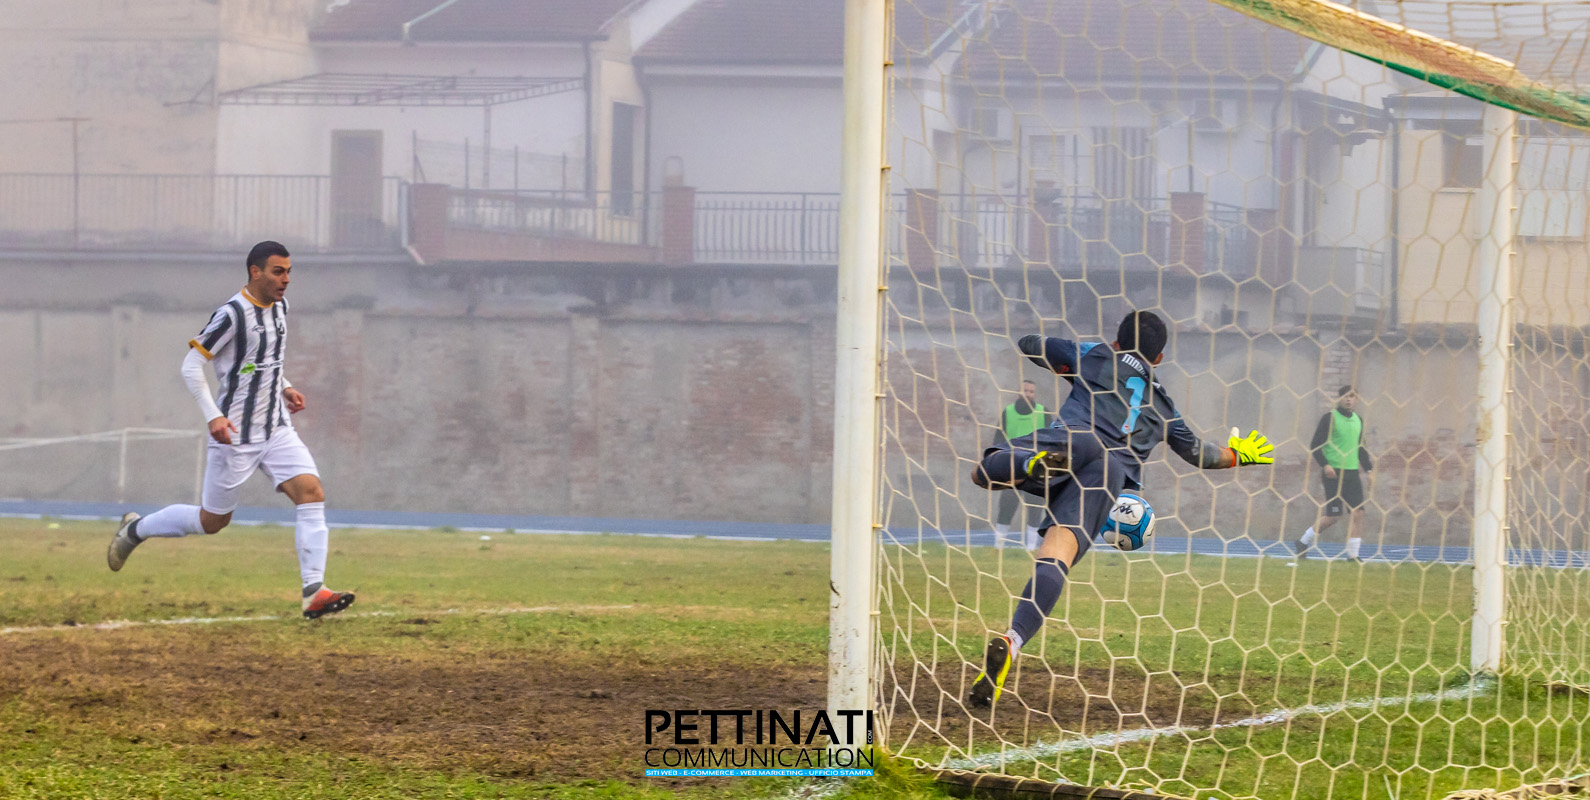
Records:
x=1047, y=463
x=1255, y=449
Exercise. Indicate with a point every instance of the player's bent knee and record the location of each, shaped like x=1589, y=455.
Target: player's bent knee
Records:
x=1064, y=543
x=979, y=477
x=214, y=523
x=303, y=489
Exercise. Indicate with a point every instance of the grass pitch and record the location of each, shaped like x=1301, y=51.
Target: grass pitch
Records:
x=1202, y=676
x=515, y=667
x=520, y=666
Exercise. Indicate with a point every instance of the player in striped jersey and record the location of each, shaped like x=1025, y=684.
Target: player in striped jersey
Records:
x=250, y=429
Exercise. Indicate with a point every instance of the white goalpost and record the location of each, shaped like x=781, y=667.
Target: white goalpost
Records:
x=1495, y=345
x=852, y=624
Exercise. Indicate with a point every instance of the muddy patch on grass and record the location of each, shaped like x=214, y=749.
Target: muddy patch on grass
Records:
x=505, y=714
x=1049, y=703
x=535, y=716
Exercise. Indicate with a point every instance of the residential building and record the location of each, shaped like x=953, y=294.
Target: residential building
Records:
x=1438, y=147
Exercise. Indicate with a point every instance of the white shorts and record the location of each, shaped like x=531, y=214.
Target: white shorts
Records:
x=227, y=466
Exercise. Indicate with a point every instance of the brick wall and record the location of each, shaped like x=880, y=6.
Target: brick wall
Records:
x=701, y=393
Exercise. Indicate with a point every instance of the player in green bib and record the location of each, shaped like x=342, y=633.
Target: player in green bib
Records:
x=1338, y=448
x=1019, y=419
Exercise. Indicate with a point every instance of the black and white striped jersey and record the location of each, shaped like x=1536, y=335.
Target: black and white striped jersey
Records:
x=245, y=343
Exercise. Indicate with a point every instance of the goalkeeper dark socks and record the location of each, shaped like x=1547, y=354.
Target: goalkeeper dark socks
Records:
x=1038, y=598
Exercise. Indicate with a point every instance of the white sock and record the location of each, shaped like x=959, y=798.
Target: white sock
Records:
x=1002, y=528
x=1308, y=538
x=311, y=537
x=171, y=522
x=1015, y=639
x=1353, y=546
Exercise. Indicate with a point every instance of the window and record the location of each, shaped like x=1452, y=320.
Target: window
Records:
x=1553, y=179
x=1462, y=159
x=1123, y=163
x=1055, y=159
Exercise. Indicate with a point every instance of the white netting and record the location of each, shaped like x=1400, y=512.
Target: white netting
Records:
x=130, y=465
x=1304, y=220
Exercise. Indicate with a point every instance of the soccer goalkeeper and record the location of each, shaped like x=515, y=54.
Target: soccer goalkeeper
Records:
x=1114, y=416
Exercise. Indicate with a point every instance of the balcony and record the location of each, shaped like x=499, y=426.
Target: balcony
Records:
x=596, y=217
x=1077, y=234
x=980, y=232
x=767, y=228
x=205, y=213
x=1338, y=283
x=679, y=225
x=683, y=225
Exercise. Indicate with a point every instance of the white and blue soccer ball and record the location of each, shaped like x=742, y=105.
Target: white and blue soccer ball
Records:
x=1130, y=524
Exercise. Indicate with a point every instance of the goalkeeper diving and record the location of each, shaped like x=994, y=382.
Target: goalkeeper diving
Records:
x=1108, y=426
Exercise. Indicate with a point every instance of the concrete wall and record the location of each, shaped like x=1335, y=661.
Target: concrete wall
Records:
x=144, y=75
x=121, y=65
x=565, y=415
x=696, y=393
x=764, y=135
x=626, y=393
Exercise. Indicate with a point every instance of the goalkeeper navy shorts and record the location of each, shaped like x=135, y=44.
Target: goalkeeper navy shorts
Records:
x=1082, y=498
x=1345, y=491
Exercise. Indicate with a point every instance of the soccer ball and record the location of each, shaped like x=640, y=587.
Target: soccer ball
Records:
x=1130, y=524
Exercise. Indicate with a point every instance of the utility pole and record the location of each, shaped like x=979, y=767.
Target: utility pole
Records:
x=76, y=170
x=77, y=180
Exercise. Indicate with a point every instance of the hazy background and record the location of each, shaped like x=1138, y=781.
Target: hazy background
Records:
x=577, y=257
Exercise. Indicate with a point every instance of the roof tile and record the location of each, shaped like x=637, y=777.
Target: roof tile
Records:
x=1073, y=40
x=783, y=31
x=467, y=20
x=1089, y=41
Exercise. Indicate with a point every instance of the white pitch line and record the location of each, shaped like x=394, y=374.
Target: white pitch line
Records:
x=1044, y=750
x=814, y=790
x=119, y=624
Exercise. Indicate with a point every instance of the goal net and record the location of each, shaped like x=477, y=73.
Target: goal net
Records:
x=78, y=474
x=1367, y=211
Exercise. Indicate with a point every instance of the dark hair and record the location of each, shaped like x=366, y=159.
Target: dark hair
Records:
x=263, y=251
x=1342, y=392
x=1144, y=332
x=1028, y=383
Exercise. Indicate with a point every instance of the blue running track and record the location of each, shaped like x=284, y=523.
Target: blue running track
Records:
x=762, y=531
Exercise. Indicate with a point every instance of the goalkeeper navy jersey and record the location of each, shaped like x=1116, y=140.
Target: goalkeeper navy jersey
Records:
x=1115, y=395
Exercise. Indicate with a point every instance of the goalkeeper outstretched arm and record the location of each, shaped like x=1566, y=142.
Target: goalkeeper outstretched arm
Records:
x=1238, y=452
x=1057, y=355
